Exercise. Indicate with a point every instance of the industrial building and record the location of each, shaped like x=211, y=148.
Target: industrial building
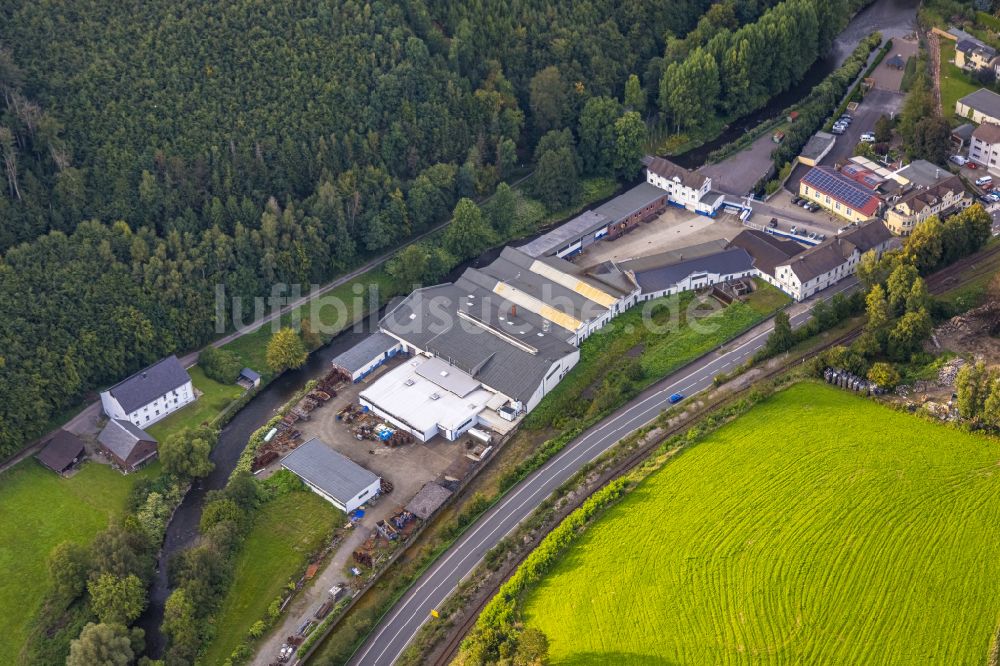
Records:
x=368, y=355
x=334, y=477
x=674, y=277
x=486, y=348
x=666, y=183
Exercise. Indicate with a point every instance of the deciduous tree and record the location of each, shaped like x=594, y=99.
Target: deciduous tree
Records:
x=116, y=599
x=285, y=351
x=186, y=453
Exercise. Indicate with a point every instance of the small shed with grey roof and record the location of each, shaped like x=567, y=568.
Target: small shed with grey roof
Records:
x=818, y=147
x=331, y=475
x=368, y=355
x=428, y=500
x=129, y=446
x=61, y=452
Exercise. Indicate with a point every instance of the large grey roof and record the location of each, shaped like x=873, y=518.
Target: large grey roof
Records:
x=580, y=226
x=922, y=172
x=766, y=249
x=984, y=101
x=605, y=280
x=120, y=437
x=674, y=256
x=507, y=352
x=563, y=299
x=630, y=202
x=337, y=475
x=362, y=353
x=149, y=384
x=733, y=260
x=831, y=253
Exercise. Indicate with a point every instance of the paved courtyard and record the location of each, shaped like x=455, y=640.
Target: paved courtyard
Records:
x=675, y=228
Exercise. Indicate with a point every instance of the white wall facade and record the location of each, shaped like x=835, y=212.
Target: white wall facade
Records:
x=986, y=154
x=352, y=503
x=699, y=281
x=677, y=191
x=153, y=411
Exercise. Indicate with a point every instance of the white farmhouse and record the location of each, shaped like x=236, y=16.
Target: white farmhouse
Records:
x=685, y=188
x=150, y=394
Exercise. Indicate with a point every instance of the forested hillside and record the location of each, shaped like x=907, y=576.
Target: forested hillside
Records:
x=152, y=151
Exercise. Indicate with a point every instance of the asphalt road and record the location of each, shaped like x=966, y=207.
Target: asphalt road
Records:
x=398, y=627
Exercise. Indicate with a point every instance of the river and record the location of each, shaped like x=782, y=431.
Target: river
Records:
x=183, y=528
x=893, y=18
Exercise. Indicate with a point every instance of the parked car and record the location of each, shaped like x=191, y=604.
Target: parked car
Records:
x=992, y=198
x=675, y=398
x=796, y=200
x=837, y=130
x=958, y=159
x=983, y=181
x=803, y=202
x=846, y=119
x=773, y=223
x=868, y=137
x=812, y=235
x=812, y=208
x=793, y=230
x=971, y=165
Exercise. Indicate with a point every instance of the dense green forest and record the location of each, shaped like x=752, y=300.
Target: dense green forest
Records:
x=152, y=152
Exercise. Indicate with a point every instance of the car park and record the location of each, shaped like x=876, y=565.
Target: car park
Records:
x=958, y=159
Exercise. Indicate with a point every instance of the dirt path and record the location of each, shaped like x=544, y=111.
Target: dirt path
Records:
x=935, y=49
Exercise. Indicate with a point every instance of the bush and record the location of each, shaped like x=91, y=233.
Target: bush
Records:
x=220, y=364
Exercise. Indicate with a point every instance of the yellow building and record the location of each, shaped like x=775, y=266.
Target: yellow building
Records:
x=921, y=203
x=839, y=194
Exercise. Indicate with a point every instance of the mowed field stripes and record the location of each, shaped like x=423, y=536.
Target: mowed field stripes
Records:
x=818, y=528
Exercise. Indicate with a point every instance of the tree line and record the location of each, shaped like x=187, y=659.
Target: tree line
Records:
x=900, y=311
x=738, y=70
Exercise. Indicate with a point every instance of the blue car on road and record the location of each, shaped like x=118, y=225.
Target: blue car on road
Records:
x=676, y=397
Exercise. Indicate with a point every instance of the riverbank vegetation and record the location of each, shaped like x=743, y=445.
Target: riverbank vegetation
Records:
x=288, y=530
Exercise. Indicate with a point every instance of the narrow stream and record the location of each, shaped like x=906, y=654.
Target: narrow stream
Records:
x=183, y=528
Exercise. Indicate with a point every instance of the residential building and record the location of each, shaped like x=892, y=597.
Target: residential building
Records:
x=62, y=452
x=685, y=188
x=818, y=146
x=921, y=202
x=984, y=146
x=691, y=274
x=852, y=198
x=974, y=55
x=832, y=260
x=962, y=136
x=332, y=475
x=767, y=250
x=982, y=106
x=127, y=445
x=150, y=394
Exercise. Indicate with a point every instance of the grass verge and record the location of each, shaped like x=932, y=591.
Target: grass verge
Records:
x=286, y=531
x=213, y=399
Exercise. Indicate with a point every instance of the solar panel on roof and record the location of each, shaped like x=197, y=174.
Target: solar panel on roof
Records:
x=838, y=187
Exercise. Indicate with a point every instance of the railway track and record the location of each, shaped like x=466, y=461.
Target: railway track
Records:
x=944, y=280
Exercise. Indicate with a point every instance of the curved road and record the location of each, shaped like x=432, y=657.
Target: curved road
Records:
x=398, y=627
